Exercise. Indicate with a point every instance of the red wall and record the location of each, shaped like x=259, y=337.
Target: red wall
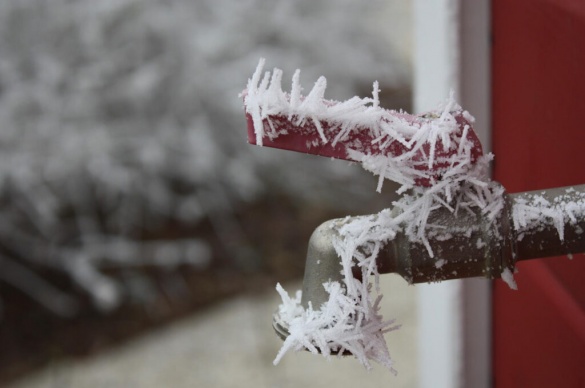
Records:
x=539, y=142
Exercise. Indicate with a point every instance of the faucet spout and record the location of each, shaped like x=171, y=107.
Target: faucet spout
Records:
x=322, y=265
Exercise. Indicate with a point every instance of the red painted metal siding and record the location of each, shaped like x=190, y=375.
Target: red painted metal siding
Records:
x=539, y=142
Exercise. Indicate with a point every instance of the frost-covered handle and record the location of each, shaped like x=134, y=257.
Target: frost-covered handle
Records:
x=420, y=149
x=305, y=138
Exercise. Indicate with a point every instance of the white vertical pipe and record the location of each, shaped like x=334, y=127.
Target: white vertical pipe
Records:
x=436, y=72
x=452, y=52
x=436, y=52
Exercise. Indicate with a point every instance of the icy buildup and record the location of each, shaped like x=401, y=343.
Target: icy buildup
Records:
x=350, y=319
x=508, y=277
x=343, y=323
x=534, y=212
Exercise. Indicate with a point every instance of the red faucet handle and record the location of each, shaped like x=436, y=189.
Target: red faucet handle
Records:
x=321, y=137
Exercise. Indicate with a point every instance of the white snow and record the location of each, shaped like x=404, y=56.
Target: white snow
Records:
x=350, y=319
x=480, y=243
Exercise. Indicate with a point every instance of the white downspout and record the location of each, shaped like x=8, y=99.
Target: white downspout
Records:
x=452, y=53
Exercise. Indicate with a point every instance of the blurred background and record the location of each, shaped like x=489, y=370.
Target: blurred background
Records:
x=134, y=217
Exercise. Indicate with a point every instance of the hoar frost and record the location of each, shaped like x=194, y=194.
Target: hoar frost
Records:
x=350, y=319
x=533, y=212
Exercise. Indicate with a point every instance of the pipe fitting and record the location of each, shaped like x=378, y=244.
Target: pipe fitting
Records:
x=466, y=245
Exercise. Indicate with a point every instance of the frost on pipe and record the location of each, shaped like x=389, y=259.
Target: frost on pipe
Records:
x=436, y=157
x=549, y=222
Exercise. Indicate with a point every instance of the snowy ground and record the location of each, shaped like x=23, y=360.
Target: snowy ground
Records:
x=233, y=345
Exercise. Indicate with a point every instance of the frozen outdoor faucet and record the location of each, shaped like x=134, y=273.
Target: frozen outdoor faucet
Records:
x=478, y=253
x=452, y=222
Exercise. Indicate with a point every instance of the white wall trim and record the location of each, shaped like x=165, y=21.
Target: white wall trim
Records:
x=452, y=53
x=475, y=88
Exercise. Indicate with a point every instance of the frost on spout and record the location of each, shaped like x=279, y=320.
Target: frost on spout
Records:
x=340, y=325
x=437, y=162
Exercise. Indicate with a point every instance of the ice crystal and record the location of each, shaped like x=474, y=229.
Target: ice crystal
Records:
x=508, y=277
x=344, y=323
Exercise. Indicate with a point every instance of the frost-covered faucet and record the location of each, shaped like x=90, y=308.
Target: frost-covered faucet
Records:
x=452, y=220
x=555, y=227
x=533, y=225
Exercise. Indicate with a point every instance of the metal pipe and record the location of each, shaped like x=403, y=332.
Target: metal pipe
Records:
x=545, y=241
x=484, y=250
x=324, y=263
